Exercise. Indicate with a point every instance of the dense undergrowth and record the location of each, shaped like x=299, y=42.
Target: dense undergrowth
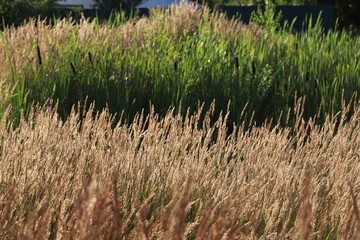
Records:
x=180, y=56
x=184, y=172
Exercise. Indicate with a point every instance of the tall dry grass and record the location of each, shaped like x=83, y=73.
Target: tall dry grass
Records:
x=169, y=178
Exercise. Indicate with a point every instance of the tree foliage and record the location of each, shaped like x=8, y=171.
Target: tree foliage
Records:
x=16, y=11
x=117, y=4
x=347, y=11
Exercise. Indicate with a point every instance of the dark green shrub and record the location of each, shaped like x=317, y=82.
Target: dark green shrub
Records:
x=15, y=12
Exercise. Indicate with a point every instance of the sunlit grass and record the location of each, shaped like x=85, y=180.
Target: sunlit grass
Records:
x=182, y=56
x=182, y=172
x=166, y=178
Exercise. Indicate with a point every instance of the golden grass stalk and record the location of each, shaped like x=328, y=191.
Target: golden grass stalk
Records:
x=165, y=178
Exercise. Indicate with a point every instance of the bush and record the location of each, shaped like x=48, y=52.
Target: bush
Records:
x=15, y=12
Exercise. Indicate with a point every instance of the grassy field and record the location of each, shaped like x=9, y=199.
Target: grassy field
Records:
x=179, y=57
x=169, y=179
x=122, y=168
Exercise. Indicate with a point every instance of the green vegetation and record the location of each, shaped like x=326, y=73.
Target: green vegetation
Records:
x=69, y=172
x=179, y=57
x=18, y=11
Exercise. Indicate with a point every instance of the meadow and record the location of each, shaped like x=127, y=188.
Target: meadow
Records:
x=175, y=58
x=183, y=125
x=166, y=178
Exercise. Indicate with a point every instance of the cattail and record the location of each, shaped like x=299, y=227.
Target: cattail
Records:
x=176, y=64
x=253, y=68
x=90, y=59
x=39, y=54
x=296, y=46
x=73, y=68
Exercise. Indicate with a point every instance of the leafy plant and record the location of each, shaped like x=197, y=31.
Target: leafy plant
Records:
x=267, y=17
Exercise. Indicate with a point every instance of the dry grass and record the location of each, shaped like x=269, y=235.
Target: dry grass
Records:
x=169, y=179
x=165, y=178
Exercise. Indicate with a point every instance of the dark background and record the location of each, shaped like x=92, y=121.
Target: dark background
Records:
x=288, y=14
x=346, y=11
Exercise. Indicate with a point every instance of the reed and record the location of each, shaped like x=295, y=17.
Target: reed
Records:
x=279, y=161
x=180, y=56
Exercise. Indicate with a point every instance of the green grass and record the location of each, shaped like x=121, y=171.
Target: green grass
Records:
x=180, y=57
